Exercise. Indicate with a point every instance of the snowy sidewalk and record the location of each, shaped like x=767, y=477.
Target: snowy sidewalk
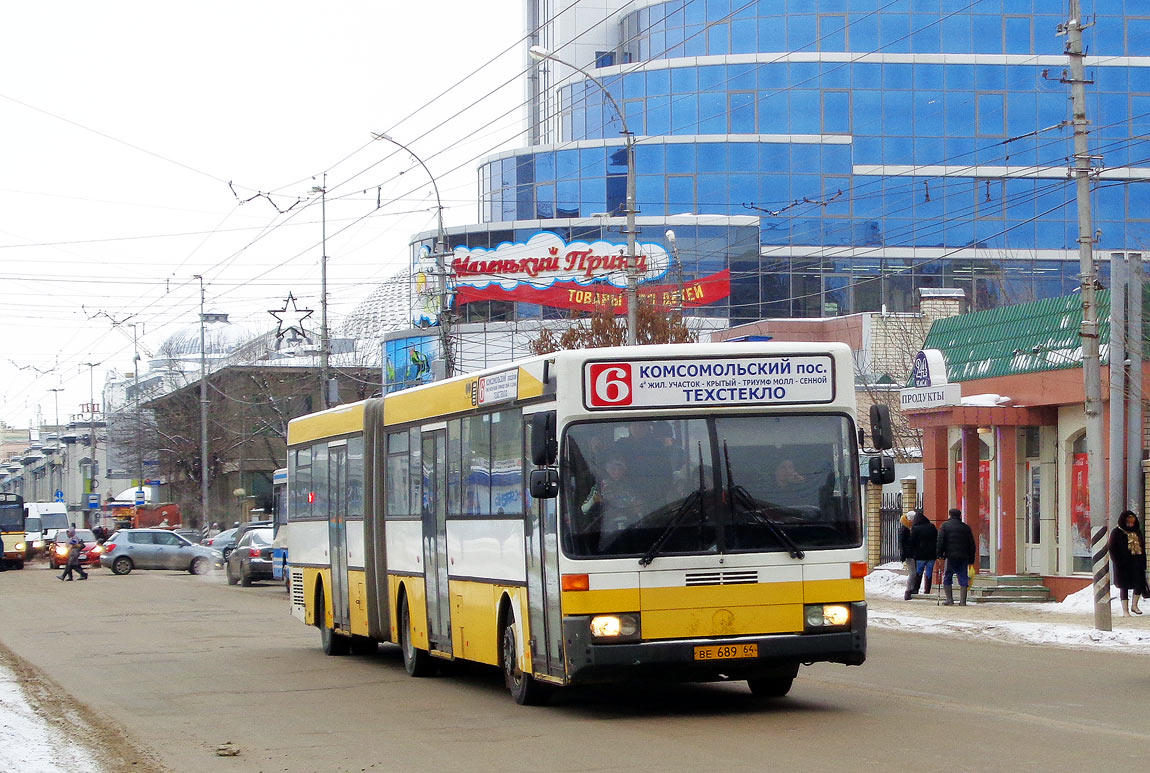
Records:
x=1066, y=624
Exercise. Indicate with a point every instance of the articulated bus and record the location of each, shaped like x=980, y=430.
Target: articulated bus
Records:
x=13, y=538
x=279, y=524
x=687, y=512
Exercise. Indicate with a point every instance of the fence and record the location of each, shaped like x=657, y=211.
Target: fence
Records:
x=889, y=514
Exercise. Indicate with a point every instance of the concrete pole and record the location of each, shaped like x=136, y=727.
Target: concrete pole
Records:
x=1134, y=440
x=1091, y=367
x=204, y=465
x=1117, y=371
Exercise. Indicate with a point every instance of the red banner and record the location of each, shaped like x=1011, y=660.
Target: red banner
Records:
x=594, y=297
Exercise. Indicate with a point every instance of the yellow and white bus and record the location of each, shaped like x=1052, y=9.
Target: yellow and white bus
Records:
x=685, y=512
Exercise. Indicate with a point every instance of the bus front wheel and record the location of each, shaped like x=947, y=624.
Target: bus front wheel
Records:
x=332, y=643
x=523, y=687
x=773, y=685
x=416, y=661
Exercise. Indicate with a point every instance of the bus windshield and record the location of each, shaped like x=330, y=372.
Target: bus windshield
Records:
x=710, y=485
x=11, y=516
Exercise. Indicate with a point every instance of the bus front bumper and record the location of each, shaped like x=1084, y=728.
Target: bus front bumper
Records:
x=592, y=661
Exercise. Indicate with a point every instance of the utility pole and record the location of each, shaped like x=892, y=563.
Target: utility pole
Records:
x=1091, y=364
x=136, y=387
x=324, y=401
x=204, y=466
x=63, y=449
x=93, y=484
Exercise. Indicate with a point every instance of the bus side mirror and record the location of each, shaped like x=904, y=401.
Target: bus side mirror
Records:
x=881, y=470
x=545, y=483
x=880, y=428
x=544, y=448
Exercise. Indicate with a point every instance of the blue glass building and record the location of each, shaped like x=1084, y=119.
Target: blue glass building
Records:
x=833, y=155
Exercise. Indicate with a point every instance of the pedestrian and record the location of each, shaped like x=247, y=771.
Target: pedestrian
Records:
x=904, y=524
x=956, y=545
x=75, y=546
x=1128, y=552
x=922, y=547
x=214, y=530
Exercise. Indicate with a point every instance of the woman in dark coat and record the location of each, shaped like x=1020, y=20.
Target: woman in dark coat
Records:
x=1128, y=552
x=923, y=548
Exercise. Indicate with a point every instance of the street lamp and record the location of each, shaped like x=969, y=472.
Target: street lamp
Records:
x=441, y=252
x=539, y=53
x=325, y=389
x=674, y=244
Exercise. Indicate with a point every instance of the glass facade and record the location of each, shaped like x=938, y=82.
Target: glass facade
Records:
x=875, y=164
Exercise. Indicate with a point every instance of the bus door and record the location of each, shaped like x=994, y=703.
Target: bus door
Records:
x=434, y=511
x=337, y=535
x=543, y=586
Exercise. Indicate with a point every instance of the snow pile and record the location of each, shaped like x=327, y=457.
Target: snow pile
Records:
x=30, y=744
x=990, y=400
x=885, y=583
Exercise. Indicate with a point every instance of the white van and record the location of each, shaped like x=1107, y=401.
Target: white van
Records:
x=41, y=522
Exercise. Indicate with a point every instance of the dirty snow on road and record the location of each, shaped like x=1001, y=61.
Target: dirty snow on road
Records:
x=31, y=745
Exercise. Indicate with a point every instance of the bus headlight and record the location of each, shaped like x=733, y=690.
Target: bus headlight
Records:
x=615, y=627
x=21, y=547
x=826, y=615
x=37, y=544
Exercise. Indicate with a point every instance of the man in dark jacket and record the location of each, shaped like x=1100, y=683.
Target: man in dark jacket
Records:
x=956, y=545
x=922, y=551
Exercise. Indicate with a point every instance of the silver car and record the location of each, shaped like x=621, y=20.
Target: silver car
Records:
x=130, y=549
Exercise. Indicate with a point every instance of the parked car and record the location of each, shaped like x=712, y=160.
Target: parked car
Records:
x=252, y=558
x=58, y=550
x=223, y=542
x=130, y=549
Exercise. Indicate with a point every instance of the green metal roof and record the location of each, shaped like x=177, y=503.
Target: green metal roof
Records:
x=1027, y=338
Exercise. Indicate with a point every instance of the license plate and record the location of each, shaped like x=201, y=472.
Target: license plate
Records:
x=726, y=651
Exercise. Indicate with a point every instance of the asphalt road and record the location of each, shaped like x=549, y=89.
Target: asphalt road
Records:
x=184, y=664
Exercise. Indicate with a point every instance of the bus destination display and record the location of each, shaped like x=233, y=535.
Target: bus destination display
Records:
x=774, y=380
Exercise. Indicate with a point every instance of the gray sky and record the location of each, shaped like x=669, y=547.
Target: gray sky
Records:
x=125, y=122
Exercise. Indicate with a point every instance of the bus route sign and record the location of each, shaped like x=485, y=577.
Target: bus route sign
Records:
x=683, y=383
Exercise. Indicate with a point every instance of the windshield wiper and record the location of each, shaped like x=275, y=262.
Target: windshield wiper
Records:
x=679, y=515
x=741, y=496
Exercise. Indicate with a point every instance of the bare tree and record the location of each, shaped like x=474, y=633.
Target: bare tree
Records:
x=603, y=328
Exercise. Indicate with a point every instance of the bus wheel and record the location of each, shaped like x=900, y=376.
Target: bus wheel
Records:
x=416, y=661
x=773, y=685
x=524, y=689
x=332, y=643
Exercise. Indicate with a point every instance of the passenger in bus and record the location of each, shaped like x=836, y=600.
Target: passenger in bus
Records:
x=612, y=505
x=650, y=447
x=793, y=485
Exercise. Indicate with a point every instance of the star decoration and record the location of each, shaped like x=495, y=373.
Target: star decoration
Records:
x=291, y=322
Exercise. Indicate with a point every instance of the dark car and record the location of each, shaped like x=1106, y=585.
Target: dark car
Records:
x=251, y=560
x=223, y=542
x=191, y=535
x=58, y=549
x=130, y=549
